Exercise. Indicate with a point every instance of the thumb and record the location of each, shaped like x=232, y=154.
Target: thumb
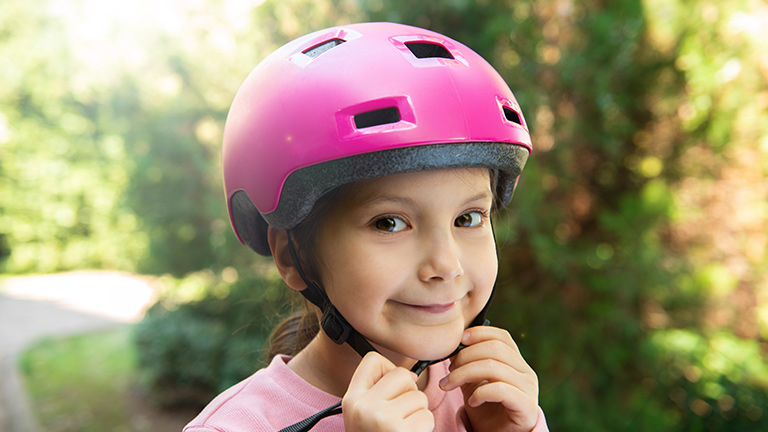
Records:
x=370, y=370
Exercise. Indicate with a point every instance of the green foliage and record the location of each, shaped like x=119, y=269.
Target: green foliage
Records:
x=87, y=383
x=68, y=380
x=716, y=381
x=63, y=165
x=189, y=352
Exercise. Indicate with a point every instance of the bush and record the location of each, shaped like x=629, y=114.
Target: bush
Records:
x=190, y=352
x=716, y=381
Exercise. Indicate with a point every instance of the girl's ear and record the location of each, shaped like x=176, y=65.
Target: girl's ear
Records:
x=278, y=244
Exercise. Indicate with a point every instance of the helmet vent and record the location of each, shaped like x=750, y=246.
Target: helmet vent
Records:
x=322, y=47
x=512, y=115
x=377, y=117
x=428, y=50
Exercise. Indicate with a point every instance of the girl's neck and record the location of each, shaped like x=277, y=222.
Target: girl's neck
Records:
x=329, y=367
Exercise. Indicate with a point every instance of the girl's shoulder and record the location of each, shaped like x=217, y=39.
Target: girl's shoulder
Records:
x=237, y=408
x=270, y=399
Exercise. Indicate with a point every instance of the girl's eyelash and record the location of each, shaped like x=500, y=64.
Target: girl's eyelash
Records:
x=485, y=213
x=387, y=216
x=484, y=216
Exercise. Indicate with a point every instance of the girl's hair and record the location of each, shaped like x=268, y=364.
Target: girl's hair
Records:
x=296, y=331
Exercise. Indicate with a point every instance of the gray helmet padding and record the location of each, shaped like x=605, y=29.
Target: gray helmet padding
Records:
x=305, y=186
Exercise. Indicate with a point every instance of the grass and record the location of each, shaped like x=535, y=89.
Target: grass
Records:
x=88, y=383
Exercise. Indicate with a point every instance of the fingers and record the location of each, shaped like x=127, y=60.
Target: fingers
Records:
x=491, y=370
x=410, y=403
x=521, y=409
x=497, y=392
x=370, y=370
x=491, y=355
x=423, y=420
x=478, y=334
x=491, y=343
x=486, y=370
x=383, y=397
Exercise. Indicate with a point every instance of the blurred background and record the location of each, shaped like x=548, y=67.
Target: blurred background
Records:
x=634, y=272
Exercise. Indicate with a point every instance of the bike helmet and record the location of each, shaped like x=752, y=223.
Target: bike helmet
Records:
x=360, y=101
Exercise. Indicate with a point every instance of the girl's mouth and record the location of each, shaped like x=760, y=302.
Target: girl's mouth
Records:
x=433, y=308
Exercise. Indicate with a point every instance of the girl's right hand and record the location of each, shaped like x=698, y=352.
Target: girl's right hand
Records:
x=383, y=397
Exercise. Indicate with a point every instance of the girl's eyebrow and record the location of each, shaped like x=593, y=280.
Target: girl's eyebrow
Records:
x=482, y=196
x=397, y=199
x=385, y=198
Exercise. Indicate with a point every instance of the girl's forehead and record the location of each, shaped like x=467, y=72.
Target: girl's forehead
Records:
x=422, y=185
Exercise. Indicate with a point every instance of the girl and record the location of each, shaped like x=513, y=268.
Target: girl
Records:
x=366, y=159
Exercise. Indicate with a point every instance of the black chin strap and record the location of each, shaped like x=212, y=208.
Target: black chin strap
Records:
x=333, y=324
x=340, y=331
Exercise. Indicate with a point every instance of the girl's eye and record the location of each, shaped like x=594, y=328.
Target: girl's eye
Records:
x=468, y=220
x=390, y=224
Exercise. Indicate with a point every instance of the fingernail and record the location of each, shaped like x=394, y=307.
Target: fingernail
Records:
x=465, y=337
x=414, y=376
x=443, y=382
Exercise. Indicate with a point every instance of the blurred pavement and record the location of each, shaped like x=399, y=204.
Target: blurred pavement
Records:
x=35, y=307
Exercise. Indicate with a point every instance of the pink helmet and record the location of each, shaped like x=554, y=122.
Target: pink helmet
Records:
x=361, y=101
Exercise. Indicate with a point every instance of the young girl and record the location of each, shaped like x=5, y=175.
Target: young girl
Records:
x=366, y=159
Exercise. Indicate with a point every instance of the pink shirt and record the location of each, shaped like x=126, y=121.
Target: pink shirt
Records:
x=275, y=397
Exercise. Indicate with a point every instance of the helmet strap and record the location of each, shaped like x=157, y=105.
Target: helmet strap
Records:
x=338, y=329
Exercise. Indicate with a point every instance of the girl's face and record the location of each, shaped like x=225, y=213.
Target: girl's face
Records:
x=410, y=259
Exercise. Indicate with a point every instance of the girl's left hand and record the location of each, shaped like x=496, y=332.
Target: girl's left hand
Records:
x=501, y=392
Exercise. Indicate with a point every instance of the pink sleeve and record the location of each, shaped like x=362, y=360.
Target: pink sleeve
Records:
x=541, y=423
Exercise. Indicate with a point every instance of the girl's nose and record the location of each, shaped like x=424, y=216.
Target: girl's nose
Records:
x=441, y=260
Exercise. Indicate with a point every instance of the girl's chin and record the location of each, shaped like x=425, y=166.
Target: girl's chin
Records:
x=428, y=351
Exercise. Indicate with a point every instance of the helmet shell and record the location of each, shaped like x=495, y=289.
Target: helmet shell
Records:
x=361, y=101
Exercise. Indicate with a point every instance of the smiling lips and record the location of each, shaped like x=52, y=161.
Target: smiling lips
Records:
x=433, y=308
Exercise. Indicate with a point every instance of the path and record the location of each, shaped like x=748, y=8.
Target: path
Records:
x=33, y=307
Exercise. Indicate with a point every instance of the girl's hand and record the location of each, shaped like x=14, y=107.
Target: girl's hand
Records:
x=501, y=391
x=383, y=397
